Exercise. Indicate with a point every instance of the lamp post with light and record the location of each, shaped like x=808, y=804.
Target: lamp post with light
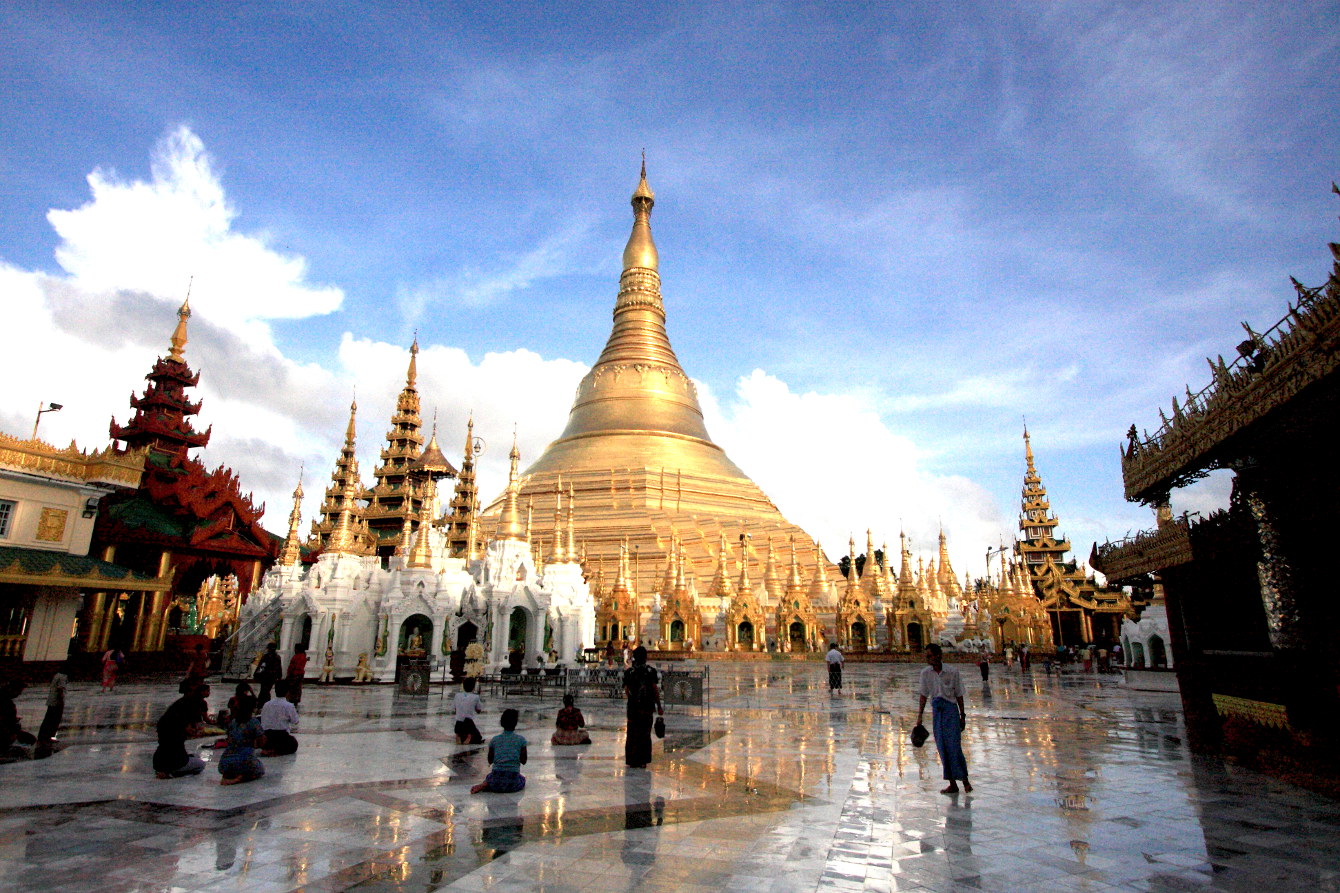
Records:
x=50, y=407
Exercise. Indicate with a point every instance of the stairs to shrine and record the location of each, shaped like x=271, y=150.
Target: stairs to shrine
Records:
x=252, y=635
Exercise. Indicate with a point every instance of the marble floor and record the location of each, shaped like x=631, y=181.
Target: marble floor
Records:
x=1081, y=784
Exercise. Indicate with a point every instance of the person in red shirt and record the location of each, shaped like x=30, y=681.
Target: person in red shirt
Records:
x=297, y=669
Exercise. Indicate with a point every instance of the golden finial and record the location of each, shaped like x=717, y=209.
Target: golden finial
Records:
x=640, y=252
x=412, y=376
x=177, y=349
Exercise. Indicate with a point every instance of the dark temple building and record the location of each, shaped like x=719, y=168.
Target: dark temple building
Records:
x=1250, y=590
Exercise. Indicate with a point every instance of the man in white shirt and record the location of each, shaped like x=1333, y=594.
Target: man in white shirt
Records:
x=467, y=706
x=943, y=687
x=835, y=662
x=278, y=720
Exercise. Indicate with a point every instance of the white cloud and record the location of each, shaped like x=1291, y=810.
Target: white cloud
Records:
x=834, y=467
x=828, y=460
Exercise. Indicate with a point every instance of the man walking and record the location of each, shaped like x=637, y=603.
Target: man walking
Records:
x=835, y=661
x=943, y=687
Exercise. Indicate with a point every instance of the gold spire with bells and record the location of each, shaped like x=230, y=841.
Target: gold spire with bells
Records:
x=177, y=348
x=635, y=442
x=291, y=554
x=721, y=586
x=342, y=538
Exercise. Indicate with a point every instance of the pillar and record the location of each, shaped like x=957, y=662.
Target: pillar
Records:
x=159, y=607
x=95, y=621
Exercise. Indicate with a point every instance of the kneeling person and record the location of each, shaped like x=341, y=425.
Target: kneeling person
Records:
x=278, y=720
x=179, y=722
x=507, y=753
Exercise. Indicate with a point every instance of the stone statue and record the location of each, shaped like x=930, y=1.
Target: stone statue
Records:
x=328, y=667
x=361, y=672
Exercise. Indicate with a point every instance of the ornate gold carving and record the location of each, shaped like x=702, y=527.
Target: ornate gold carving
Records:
x=1271, y=369
x=1276, y=716
x=1146, y=552
x=51, y=525
x=107, y=466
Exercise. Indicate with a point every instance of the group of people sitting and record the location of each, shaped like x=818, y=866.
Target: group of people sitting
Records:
x=247, y=735
x=507, y=750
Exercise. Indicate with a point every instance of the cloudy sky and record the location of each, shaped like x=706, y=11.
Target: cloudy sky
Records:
x=888, y=232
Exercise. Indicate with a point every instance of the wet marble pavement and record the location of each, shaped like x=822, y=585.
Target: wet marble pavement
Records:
x=1081, y=784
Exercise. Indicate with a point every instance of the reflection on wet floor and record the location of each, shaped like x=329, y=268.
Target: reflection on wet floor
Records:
x=1081, y=785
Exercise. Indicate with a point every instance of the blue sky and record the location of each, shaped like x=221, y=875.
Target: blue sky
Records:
x=888, y=232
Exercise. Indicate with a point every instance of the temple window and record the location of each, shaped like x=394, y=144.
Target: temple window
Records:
x=6, y=516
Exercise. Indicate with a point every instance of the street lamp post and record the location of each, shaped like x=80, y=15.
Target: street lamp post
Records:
x=51, y=407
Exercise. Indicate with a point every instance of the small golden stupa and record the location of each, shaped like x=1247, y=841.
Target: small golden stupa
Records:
x=637, y=457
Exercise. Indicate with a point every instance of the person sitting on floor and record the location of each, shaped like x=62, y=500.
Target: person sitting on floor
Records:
x=182, y=720
x=571, y=725
x=507, y=754
x=278, y=720
x=467, y=705
x=239, y=762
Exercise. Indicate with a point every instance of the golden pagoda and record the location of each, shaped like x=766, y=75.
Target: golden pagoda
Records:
x=797, y=623
x=746, y=622
x=636, y=453
x=855, y=619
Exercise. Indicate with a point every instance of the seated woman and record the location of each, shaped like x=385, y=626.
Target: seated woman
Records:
x=571, y=725
x=239, y=762
x=225, y=716
x=507, y=753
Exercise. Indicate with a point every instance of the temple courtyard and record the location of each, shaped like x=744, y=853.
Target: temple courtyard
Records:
x=776, y=785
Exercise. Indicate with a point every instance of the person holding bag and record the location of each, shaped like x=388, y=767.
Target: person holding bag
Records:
x=641, y=685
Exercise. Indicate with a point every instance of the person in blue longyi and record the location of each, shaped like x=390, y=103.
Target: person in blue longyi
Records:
x=943, y=687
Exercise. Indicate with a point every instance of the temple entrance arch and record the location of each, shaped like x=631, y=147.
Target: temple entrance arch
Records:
x=796, y=633
x=1158, y=654
x=858, y=636
x=914, y=642
x=516, y=630
x=466, y=633
x=305, y=632
x=744, y=634
x=415, y=633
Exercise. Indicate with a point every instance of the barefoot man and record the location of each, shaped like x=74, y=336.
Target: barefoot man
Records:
x=943, y=687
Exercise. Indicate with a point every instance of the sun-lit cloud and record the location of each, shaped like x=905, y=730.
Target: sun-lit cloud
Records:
x=836, y=468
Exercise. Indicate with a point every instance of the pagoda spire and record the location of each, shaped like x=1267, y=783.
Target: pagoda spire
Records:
x=421, y=555
x=572, y=526
x=509, y=525
x=397, y=493
x=794, y=582
x=177, y=348
x=465, y=499
x=345, y=473
x=291, y=553
x=558, y=525
x=819, y=591
x=658, y=400
x=772, y=580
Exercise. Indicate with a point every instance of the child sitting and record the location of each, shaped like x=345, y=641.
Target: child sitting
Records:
x=239, y=762
x=467, y=708
x=507, y=753
x=571, y=725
